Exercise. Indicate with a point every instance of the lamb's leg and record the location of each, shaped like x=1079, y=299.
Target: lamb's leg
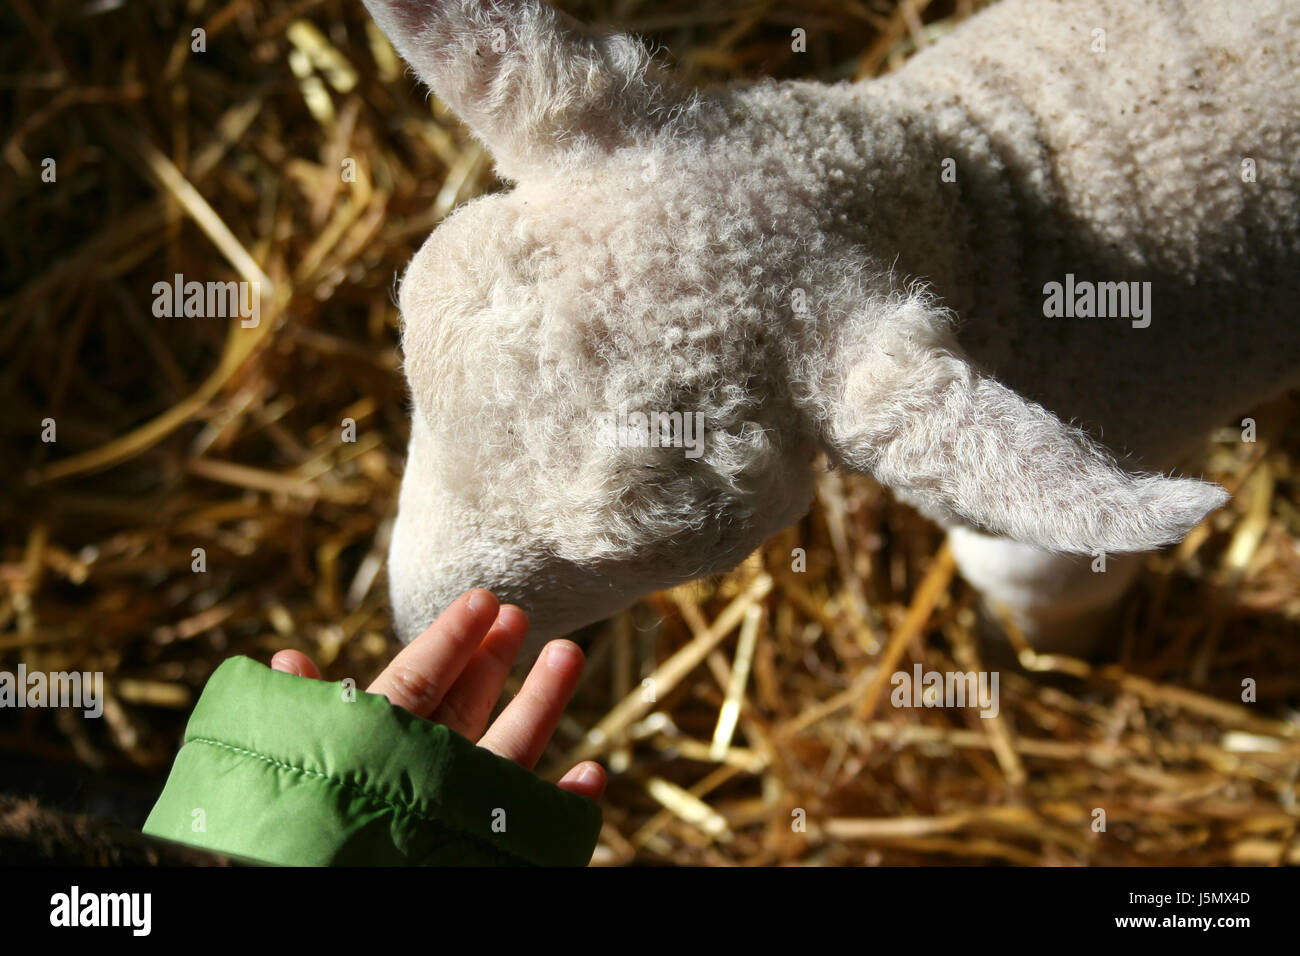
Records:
x=1057, y=601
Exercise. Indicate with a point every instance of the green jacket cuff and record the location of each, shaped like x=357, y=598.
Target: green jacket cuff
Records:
x=282, y=770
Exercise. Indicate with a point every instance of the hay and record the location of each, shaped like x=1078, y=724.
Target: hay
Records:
x=746, y=720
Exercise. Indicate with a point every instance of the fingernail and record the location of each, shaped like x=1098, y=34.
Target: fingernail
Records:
x=589, y=776
x=512, y=616
x=479, y=600
x=563, y=656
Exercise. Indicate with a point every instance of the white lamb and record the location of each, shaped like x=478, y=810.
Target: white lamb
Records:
x=863, y=269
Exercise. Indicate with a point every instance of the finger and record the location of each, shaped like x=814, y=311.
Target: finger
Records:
x=466, y=707
x=525, y=726
x=421, y=674
x=295, y=662
x=587, y=779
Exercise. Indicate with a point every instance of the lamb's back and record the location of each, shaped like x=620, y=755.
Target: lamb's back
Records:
x=1139, y=142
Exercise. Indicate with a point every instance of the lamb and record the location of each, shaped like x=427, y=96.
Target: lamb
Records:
x=875, y=271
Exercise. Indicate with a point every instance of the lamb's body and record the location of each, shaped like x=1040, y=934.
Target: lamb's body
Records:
x=658, y=250
x=1126, y=165
x=1122, y=166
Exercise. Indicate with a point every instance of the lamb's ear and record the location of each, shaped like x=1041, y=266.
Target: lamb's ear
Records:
x=526, y=78
x=959, y=445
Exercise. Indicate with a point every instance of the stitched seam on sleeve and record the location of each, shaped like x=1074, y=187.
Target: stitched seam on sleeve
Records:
x=461, y=834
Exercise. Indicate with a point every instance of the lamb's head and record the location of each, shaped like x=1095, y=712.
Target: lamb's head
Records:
x=621, y=369
x=597, y=411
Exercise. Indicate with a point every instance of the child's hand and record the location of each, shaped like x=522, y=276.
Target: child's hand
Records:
x=454, y=672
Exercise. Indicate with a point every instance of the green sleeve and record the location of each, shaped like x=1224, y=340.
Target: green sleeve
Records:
x=278, y=769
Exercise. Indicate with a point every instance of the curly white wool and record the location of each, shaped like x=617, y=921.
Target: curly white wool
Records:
x=858, y=269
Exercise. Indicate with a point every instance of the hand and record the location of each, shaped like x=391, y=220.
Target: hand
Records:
x=454, y=672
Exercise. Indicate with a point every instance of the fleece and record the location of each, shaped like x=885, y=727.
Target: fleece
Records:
x=1016, y=281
